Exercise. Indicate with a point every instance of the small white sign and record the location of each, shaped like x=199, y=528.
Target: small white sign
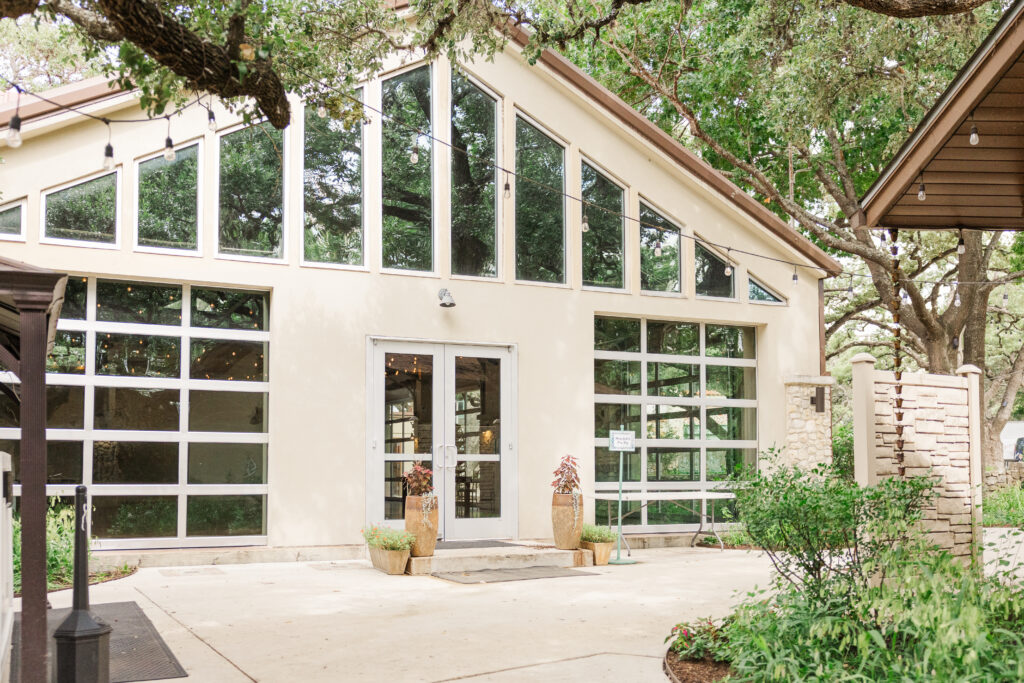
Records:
x=621, y=440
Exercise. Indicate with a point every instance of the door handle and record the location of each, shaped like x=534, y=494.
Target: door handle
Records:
x=450, y=460
x=438, y=463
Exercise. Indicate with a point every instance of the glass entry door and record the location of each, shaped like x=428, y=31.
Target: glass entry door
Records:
x=447, y=407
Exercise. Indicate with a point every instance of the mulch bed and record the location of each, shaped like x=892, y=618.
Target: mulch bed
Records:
x=691, y=671
x=94, y=578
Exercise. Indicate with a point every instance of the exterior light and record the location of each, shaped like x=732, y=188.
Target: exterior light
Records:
x=586, y=224
x=960, y=246
x=728, y=270
x=211, y=120
x=956, y=300
x=414, y=156
x=321, y=111
x=974, y=139
x=447, y=300
x=657, y=249
x=921, y=194
x=796, y=278
x=508, y=189
x=14, y=132
x=108, y=157
x=169, y=154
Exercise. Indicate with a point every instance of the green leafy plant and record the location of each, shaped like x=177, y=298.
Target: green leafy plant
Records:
x=700, y=639
x=386, y=538
x=60, y=546
x=1004, y=507
x=598, y=534
x=417, y=480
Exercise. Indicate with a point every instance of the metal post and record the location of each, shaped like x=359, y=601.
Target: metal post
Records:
x=618, y=539
x=83, y=641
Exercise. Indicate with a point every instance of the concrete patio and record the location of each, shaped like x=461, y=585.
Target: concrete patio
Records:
x=330, y=621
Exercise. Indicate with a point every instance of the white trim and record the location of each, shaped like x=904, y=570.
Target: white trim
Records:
x=199, y=143
x=22, y=204
x=680, y=226
x=44, y=194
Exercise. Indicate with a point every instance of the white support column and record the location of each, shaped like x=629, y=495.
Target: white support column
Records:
x=864, y=418
x=974, y=429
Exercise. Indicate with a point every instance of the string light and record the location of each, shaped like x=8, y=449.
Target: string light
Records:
x=586, y=223
x=921, y=194
x=169, y=154
x=414, y=156
x=108, y=151
x=974, y=138
x=961, y=247
x=796, y=278
x=657, y=248
x=321, y=111
x=211, y=120
x=956, y=299
x=728, y=263
x=14, y=126
x=508, y=188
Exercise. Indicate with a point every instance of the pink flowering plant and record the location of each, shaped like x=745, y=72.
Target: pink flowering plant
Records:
x=567, y=476
x=699, y=640
x=417, y=480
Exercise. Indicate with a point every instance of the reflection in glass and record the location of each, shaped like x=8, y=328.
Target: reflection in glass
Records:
x=673, y=512
x=228, y=359
x=680, y=339
x=168, y=200
x=673, y=464
x=724, y=341
x=603, y=242
x=710, y=274
x=474, y=229
x=725, y=462
x=131, y=302
x=731, y=424
x=68, y=353
x=681, y=380
x=134, y=516
x=65, y=407
x=617, y=377
x=477, y=405
x=227, y=463
x=725, y=381
x=673, y=422
x=606, y=465
x=477, y=489
x=333, y=188
x=540, y=209
x=616, y=334
x=136, y=355
x=229, y=309
x=407, y=232
x=394, y=487
x=227, y=411
x=10, y=220
x=606, y=512
x=408, y=403
x=85, y=212
x=134, y=462
x=755, y=292
x=659, y=252
x=609, y=416
x=75, y=293
x=226, y=515
x=251, y=192
x=140, y=409
x=63, y=460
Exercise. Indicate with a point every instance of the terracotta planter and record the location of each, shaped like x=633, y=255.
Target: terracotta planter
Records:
x=602, y=551
x=424, y=527
x=567, y=520
x=389, y=561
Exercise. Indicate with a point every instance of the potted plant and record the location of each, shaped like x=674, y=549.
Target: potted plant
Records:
x=599, y=540
x=389, y=548
x=567, y=505
x=421, y=510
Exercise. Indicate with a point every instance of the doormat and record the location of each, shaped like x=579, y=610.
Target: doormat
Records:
x=137, y=652
x=520, y=574
x=462, y=545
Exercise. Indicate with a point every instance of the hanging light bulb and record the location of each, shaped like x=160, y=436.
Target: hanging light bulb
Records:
x=414, y=156
x=169, y=154
x=921, y=194
x=508, y=188
x=728, y=270
x=849, y=287
x=108, y=151
x=211, y=120
x=321, y=111
x=14, y=132
x=975, y=139
x=905, y=296
x=956, y=300
x=586, y=223
x=796, y=278
x=1006, y=298
x=960, y=246
x=657, y=248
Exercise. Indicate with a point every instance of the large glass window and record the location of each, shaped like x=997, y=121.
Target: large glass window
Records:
x=332, y=185
x=157, y=400
x=660, y=254
x=168, y=201
x=474, y=203
x=252, y=192
x=407, y=170
x=540, y=205
x=10, y=221
x=603, y=230
x=86, y=212
x=759, y=293
x=689, y=393
x=714, y=275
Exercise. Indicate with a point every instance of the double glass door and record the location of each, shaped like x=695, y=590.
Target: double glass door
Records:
x=449, y=408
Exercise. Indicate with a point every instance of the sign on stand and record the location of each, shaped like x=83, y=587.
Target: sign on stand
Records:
x=623, y=441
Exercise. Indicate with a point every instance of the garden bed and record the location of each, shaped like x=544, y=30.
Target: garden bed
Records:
x=94, y=578
x=691, y=671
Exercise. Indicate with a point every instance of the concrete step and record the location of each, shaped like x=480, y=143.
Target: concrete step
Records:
x=504, y=557
x=107, y=560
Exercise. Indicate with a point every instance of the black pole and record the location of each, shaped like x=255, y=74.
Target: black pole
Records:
x=83, y=641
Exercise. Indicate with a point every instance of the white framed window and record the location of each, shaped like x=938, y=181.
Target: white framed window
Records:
x=541, y=245
x=688, y=391
x=714, y=274
x=12, y=220
x=157, y=400
x=760, y=293
x=661, y=252
x=85, y=212
x=603, y=241
x=169, y=201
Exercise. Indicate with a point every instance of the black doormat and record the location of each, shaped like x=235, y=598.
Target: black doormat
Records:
x=500, y=575
x=460, y=545
x=137, y=652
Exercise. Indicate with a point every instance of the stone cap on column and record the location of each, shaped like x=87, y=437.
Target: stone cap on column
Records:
x=968, y=370
x=863, y=358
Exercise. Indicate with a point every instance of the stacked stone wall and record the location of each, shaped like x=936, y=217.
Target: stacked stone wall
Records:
x=808, y=431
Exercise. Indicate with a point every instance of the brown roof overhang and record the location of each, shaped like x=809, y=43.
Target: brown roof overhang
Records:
x=71, y=95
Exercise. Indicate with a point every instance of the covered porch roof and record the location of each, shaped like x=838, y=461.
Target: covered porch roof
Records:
x=980, y=185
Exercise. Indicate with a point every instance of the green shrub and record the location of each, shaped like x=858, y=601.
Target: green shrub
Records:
x=60, y=546
x=387, y=538
x=1004, y=507
x=842, y=450
x=598, y=534
x=701, y=639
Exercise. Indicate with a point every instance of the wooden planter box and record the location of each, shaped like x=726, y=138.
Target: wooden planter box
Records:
x=602, y=551
x=389, y=561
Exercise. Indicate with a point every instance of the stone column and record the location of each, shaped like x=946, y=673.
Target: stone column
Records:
x=864, y=418
x=808, y=430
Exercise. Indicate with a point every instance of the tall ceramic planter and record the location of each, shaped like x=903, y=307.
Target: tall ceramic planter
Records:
x=567, y=520
x=422, y=524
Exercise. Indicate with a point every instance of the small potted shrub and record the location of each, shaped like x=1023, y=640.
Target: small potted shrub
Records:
x=567, y=505
x=599, y=540
x=421, y=510
x=389, y=548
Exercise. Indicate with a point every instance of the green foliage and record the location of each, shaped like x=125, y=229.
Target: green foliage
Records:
x=540, y=206
x=86, y=211
x=387, y=538
x=251, y=192
x=1004, y=507
x=700, y=639
x=598, y=534
x=168, y=211
x=842, y=449
x=60, y=546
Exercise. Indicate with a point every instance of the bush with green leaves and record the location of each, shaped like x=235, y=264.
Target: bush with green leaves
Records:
x=386, y=538
x=700, y=639
x=1004, y=507
x=842, y=449
x=60, y=546
x=598, y=534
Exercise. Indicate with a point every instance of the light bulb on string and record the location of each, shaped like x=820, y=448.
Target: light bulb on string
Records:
x=414, y=156
x=321, y=111
x=14, y=125
x=796, y=278
x=728, y=263
x=108, y=151
x=657, y=248
x=508, y=188
x=169, y=153
x=211, y=120
x=1006, y=298
x=921, y=194
x=956, y=299
x=961, y=247
x=586, y=223
x=974, y=138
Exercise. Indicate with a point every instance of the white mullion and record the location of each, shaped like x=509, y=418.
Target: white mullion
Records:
x=227, y=437
x=227, y=385
x=227, y=334
x=226, y=489
x=183, y=407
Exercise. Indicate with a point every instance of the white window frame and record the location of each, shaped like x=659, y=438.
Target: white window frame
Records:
x=118, y=206
x=700, y=241
x=285, y=183
x=782, y=301
x=567, y=256
x=624, y=188
x=21, y=203
x=679, y=225
x=137, y=167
